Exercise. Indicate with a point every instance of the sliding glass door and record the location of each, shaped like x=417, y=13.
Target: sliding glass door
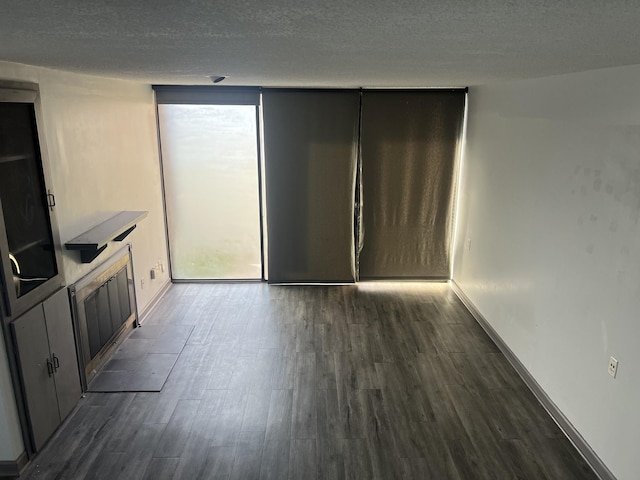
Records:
x=357, y=184
x=212, y=190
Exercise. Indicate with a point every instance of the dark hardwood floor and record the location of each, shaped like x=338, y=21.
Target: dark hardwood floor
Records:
x=379, y=381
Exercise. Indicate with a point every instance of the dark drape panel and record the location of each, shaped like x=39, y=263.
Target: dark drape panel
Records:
x=311, y=146
x=409, y=153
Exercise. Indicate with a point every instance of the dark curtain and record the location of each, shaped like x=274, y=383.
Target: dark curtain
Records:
x=410, y=142
x=311, y=148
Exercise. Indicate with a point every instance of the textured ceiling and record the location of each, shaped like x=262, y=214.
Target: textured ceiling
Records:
x=302, y=43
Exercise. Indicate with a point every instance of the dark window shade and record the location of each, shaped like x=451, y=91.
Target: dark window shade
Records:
x=311, y=148
x=206, y=95
x=410, y=143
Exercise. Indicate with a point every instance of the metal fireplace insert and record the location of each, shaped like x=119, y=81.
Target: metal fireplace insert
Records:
x=104, y=305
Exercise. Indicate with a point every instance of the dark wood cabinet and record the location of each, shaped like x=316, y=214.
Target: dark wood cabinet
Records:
x=36, y=371
x=29, y=256
x=34, y=305
x=45, y=348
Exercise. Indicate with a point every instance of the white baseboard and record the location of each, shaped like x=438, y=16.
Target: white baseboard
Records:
x=154, y=301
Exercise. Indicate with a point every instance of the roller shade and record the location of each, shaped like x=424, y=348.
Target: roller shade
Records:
x=409, y=147
x=206, y=95
x=311, y=148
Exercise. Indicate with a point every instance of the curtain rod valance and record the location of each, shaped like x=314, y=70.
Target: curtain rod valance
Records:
x=206, y=95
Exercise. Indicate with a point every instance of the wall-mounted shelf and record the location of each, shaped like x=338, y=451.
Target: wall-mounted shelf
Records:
x=92, y=242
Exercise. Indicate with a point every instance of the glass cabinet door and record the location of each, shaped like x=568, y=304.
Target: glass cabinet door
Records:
x=23, y=202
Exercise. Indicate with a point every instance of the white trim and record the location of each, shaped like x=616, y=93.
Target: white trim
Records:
x=154, y=301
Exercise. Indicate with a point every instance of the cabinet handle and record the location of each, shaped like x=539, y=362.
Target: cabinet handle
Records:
x=56, y=361
x=49, y=367
x=51, y=200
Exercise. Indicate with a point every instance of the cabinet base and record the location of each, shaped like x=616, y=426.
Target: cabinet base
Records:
x=12, y=469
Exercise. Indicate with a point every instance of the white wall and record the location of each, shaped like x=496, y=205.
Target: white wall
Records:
x=548, y=244
x=102, y=155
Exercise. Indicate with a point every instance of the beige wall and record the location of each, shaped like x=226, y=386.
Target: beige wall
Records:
x=100, y=142
x=547, y=246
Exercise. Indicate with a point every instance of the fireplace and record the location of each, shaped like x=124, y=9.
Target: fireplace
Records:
x=104, y=306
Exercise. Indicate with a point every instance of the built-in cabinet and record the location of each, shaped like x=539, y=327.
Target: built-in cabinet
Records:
x=30, y=260
x=45, y=347
x=34, y=303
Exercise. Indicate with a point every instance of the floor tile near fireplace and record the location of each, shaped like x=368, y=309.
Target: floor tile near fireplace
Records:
x=144, y=360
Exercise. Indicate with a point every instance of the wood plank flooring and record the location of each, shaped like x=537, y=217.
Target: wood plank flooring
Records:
x=375, y=381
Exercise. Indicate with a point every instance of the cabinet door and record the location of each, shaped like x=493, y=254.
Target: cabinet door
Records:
x=31, y=253
x=37, y=378
x=63, y=351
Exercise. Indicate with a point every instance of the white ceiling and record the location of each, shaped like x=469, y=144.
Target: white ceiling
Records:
x=375, y=43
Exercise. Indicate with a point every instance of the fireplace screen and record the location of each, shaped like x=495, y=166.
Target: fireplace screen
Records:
x=104, y=304
x=105, y=311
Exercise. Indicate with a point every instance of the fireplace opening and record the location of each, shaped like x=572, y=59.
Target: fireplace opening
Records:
x=104, y=306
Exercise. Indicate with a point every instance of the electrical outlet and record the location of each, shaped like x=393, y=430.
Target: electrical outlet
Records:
x=469, y=244
x=613, y=367
x=141, y=283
